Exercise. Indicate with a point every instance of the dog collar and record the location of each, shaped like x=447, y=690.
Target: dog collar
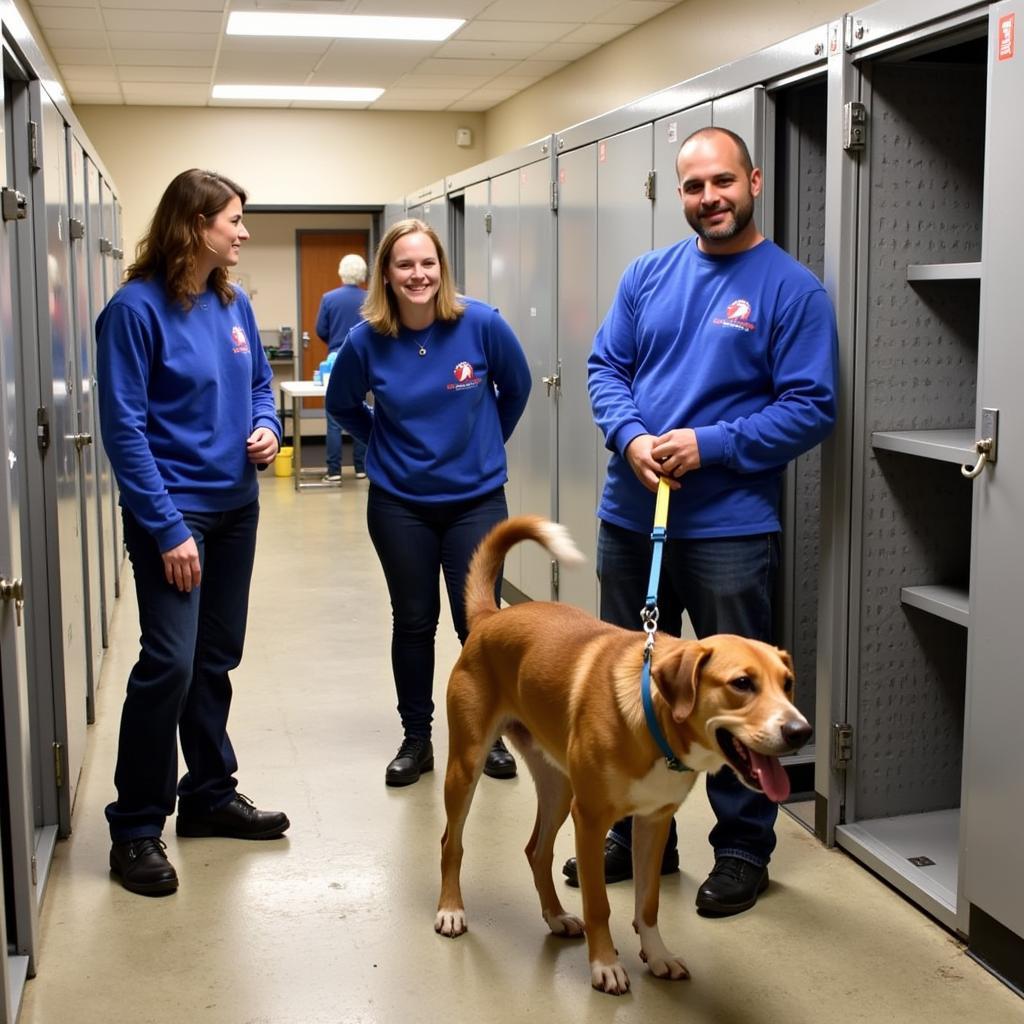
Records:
x=673, y=762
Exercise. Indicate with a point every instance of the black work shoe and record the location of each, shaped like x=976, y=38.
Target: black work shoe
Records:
x=414, y=758
x=500, y=764
x=732, y=886
x=618, y=864
x=237, y=819
x=143, y=867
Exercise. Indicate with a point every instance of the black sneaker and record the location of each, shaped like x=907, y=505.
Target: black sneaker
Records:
x=415, y=757
x=142, y=866
x=500, y=764
x=618, y=864
x=733, y=886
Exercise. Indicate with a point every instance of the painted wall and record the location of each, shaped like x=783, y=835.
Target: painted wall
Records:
x=314, y=157
x=694, y=37
x=267, y=267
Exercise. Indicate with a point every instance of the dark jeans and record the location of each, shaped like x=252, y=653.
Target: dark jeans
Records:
x=415, y=542
x=334, y=445
x=725, y=584
x=180, y=685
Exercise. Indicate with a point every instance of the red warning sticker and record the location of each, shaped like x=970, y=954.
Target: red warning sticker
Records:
x=1004, y=42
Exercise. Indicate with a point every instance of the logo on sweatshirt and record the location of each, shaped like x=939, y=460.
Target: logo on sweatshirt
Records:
x=464, y=377
x=737, y=316
x=239, y=343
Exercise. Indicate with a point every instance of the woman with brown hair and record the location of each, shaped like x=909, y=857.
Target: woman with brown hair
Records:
x=449, y=381
x=187, y=417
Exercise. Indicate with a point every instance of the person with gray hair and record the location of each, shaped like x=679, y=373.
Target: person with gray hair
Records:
x=340, y=310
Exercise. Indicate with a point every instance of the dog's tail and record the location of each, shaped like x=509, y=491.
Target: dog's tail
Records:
x=487, y=559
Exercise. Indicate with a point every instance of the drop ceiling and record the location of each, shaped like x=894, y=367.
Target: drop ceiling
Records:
x=172, y=52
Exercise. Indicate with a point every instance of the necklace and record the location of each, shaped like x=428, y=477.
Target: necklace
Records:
x=422, y=343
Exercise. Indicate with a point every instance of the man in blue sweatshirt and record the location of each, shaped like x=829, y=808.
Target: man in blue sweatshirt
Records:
x=714, y=368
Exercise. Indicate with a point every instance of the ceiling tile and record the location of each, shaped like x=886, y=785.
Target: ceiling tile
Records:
x=564, y=52
x=75, y=56
x=81, y=98
x=89, y=73
x=164, y=5
x=206, y=41
x=252, y=67
x=84, y=19
x=633, y=12
x=167, y=58
x=438, y=8
x=422, y=104
x=161, y=21
x=66, y=38
x=434, y=66
x=147, y=73
x=522, y=31
x=443, y=81
x=599, y=34
x=545, y=10
x=460, y=49
x=165, y=93
x=404, y=93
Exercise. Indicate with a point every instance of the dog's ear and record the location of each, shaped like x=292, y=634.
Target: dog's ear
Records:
x=677, y=675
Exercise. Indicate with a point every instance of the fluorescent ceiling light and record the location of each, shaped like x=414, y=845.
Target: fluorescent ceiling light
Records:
x=340, y=26
x=314, y=93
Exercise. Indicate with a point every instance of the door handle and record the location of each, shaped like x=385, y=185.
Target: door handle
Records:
x=81, y=440
x=13, y=590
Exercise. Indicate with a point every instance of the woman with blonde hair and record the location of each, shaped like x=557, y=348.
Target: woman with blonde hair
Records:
x=187, y=417
x=449, y=381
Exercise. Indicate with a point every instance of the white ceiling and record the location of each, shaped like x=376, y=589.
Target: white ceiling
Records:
x=172, y=52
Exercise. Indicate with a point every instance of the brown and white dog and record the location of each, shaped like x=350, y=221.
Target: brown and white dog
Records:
x=565, y=689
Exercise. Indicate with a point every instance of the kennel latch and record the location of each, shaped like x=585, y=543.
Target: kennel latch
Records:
x=842, y=745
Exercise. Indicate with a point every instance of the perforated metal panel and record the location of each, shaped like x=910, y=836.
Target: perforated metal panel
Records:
x=925, y=155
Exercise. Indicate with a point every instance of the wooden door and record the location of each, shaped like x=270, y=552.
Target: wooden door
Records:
x=320, y=252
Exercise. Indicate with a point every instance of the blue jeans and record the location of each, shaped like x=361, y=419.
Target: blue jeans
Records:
x=725, y=584
x=180, y=685
x=415, y=542
x=334, y=449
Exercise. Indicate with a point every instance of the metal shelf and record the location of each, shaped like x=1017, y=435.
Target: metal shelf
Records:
x=944, y=272
x=950, y=603
x=945, y=445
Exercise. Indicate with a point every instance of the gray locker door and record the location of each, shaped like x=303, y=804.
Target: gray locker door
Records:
x=743, y=113
x=505, y=296
x=578, y=438
x=536, y=330
x=81, y=332
x=393, y=212
x=435, y=213
x=104, y=476
x=625, y=222
x=994, y=828
x=477, y=241
x=19, y=921
x=108, y=230
x=63, y=503
x=669, y=223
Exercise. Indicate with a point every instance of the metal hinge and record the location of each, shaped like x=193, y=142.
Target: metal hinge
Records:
x=42, y=428
x=33, y=146
x=76, y=228
x=14, y=203
x=554, y=578
x=855, y=126
x=842, y=745
x=488, y=222
x=554, y=195
x=58, y=764
x=106, y=246
x=649, y=188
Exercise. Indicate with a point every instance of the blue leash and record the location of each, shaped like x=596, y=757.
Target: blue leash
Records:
x=649, y=616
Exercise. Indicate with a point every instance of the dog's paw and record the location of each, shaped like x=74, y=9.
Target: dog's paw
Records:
x=609, y=978
x=666, y=966
x=568, y=926
x=451, y=923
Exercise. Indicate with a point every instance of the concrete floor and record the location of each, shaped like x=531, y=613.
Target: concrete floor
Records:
x=334, y=924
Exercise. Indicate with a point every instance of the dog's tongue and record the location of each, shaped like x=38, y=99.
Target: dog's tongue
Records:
x=771, y=776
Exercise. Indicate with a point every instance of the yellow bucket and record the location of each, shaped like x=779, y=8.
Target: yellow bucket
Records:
x=283, y=462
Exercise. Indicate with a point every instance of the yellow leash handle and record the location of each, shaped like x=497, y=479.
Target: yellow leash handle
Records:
x=661, y=503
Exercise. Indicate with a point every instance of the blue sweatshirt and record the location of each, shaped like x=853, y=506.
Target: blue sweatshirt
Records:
x=179, y=394
x=740, y=348
x=339, y=311
x=440, y=421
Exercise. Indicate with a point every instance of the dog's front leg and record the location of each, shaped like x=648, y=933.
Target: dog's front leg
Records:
x=606, y=972
x=649, y=837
